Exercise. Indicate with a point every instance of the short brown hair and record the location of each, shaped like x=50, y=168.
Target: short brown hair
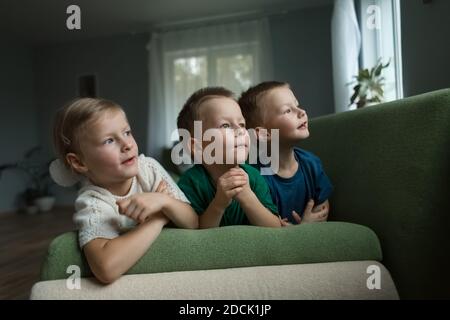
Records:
x=189, y=112
x=250, y=101
x=71, y=119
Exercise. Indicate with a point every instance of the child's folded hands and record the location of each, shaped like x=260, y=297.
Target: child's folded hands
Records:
x=142, y=206
x=229, y=185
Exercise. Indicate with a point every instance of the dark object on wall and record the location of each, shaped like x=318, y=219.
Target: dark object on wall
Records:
x=87, y=86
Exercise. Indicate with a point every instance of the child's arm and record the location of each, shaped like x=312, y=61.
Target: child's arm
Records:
x=257, y=214
x=142, y=206
x=109, y=259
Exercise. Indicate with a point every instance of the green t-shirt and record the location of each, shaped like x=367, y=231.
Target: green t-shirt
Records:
x=199, y=188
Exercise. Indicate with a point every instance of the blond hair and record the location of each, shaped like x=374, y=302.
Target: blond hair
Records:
x=72, y=119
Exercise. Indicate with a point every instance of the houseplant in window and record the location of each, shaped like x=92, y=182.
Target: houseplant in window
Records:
x=37, y=196
x=369, y=86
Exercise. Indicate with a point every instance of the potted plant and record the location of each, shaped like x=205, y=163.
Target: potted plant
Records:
x=369, y=86
x=37, y=196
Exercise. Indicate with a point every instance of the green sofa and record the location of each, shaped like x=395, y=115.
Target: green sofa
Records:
x=390, y=166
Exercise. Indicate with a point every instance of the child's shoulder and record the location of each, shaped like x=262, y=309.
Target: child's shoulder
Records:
x=308, y=160
x=306, y=156
x=195, y=173
x=93, y=196
x=148, y=165
x=251, y=170
x=144, y=160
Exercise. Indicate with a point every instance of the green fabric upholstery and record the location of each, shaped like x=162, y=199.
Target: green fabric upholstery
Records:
x=231, y=247
x=390, y=166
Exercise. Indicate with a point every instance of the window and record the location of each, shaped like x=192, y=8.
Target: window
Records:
x=234, y=55
x=231, y=66
x=381, y=39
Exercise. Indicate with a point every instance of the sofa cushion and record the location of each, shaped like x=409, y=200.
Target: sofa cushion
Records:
x=231, y=247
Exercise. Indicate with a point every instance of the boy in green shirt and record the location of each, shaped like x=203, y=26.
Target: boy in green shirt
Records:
x=224, y=191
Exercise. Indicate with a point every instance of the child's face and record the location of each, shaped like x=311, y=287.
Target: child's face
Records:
x=222, y=116
x=281, y=111
x=108, y=150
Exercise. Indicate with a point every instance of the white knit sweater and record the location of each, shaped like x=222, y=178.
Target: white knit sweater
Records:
x=97, y=214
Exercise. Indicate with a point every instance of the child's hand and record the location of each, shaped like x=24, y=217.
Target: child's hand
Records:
x=162, y=188
x=141, y=206
x=246, y=190
x=229, y=185
x=312, y=214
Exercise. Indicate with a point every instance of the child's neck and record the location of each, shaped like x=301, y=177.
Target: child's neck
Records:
x=120, y=188
x=288, y=165
x=218, y=170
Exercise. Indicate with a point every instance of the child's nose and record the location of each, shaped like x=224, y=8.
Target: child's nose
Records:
x=301, y=113
x=127, y=145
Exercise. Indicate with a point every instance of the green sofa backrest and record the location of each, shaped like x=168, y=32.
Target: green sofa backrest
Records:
x=390, y=166
x=230, y=247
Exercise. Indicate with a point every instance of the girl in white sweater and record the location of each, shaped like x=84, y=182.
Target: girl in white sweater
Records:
x=126, y=199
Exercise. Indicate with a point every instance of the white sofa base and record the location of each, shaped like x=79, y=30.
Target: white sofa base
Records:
x=337, y=280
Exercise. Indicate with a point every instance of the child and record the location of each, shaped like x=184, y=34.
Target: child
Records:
x=300, y=185
x=94, y=143
x=223, y=194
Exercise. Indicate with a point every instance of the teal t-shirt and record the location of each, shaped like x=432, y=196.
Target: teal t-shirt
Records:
x=199, y=188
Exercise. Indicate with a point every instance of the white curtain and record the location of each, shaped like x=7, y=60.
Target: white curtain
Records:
x=346, y=44
x=234, y=55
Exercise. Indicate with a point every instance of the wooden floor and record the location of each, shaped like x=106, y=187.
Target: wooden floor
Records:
x=23, y=241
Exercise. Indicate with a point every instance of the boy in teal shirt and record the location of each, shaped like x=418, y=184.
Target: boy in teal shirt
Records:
x=300, y=188
x=222, y=189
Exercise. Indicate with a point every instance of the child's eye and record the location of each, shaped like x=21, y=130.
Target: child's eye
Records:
x=108, y=141
x=242, y=125
x=225, y=126
x=287, y=111
x=128, y=133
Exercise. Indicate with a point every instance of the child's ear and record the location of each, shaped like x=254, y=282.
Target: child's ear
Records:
x=263, y=134
x=76, y=163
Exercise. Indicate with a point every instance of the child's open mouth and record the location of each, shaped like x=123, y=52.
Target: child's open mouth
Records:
x=129, y=161
x=303, y=126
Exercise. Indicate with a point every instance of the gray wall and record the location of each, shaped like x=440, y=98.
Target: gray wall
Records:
x=426, y=46
x=120, y=64
x=302, y=56
x=18, y=120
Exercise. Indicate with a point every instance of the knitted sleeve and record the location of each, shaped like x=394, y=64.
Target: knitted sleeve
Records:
x=95, y=218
